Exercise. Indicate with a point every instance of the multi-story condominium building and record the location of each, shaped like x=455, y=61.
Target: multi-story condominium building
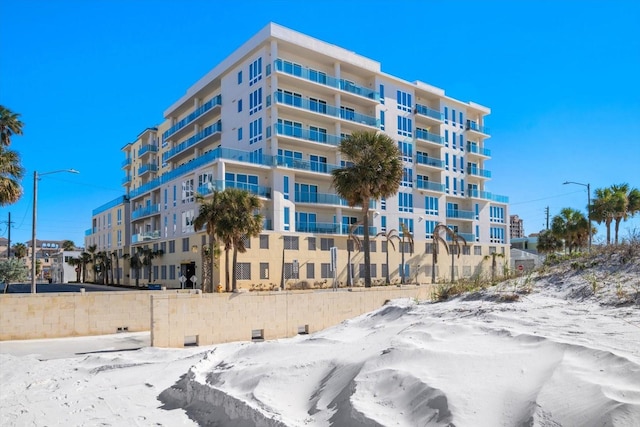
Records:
x=269, y=119
x=516, y=227
x=109, y=232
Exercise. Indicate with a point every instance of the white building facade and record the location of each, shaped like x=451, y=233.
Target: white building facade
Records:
x=269, y=119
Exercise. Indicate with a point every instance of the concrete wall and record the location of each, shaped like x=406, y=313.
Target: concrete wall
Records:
x=206, y=319
x=55, y=315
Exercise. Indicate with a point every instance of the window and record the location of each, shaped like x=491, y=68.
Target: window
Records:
x=408, y=222
x=496, y=214
x=239, y=77
x=255, y=101
x=466, y=250
x=461, y=141
x=381, y=94
x=239, y=105
x=185, y=244
x=431, y=205
x=311, y=270
x=407, y=177
x=317, y=134
x=429, y=227
x=318, y=105
x=287, y=219
x=187, y=221
x=325, y=271
x=119, y=212
x=461, y=122
x=405, y=202
x=187, y=191
x=255, y=131
x=264, y=270
x=428, y=248
x=381, y=120
x=446, y=115
x=405, y=126
x=264, y=241
x=172, y=246
x=404, y=101
x=285, y=185
x=163, y=272
x=311, y=241
x=453, y=117
x=383, y=223
x=172, y=272
x=326, y=243
x=446, y=137
x=243, y=271
x=477, y=250
x=163, y=247
x=174, y=195
x=291, y=243
x=385, y=269
x=384, y=246
x=496, y=235
x=406, y=149
x=255, y=71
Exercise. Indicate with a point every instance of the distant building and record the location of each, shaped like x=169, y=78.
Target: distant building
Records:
x=516, y=227
x=61, y=270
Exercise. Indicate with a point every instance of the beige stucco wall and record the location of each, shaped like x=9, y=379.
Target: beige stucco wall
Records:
x=55, y=315
x=218, y=318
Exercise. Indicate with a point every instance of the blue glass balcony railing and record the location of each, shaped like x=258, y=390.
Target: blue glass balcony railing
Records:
x=306, y=134
x=456, y=213
x=471, y=148
x=323, y=79
x=474, y=126
x=477, y=194
x=427, y=136
x=468, y=237
x=145, y=211
x=213, y=102
x=126, y=162
x=430, y=185
x=429, y=161
x=209, y=130
x=320, y=108
x=472, y=170
x=307, y=165
x=220, y=185
x=148, y=148
x=149, y=167
x=426, y=111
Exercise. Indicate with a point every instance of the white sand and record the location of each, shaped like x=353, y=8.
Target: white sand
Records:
x=558, y=356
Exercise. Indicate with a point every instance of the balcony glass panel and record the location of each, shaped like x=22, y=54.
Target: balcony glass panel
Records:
x=429, y=161
x=471, y=125
x=456, y=213
x=209, y=130
x=215, y=101
x=430, y=185
x=426, y=111
x=330, y=110
x=472, y=170
x=427, y=136
x=309, y=135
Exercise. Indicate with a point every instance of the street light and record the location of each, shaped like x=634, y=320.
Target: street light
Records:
x=33, y=224
x=588, y=206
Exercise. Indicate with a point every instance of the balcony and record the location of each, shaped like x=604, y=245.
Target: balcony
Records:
x=126, y=180
x=143, y=237
x=319, y=198
x=432, y=115
x=430, y=185
x=421, y=159
x=475, y=171
x=475, y=128
x=220, y=185
x=431, y=137
x=468, y=237
x=306, y=134
x=210, y=104
x=126, y=163
x=324, y=109
x=460, y=214
x=147, y=168
x=475, y=149
x=215, y=128
x=331, y=228
x=148, y=148
x=305, y=165
x=145, y=211
x=477, y=194
x=315, y=76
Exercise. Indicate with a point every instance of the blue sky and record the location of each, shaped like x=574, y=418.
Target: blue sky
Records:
x=561, y=78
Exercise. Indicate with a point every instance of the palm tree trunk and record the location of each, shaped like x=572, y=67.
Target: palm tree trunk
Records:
x=617, y=227
x=234, y=286
x=402, y=267
x=367, y=248
x=388, y=278
x=349, y=263
x=433, y=262
x=226, y=273
x=453, y=260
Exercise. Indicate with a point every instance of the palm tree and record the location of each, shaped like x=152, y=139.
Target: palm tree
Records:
x=148, y=255
x=572, y=227
x=389, y=235
x=135, y=262
x=627, y=204
x=20, y=250
x=603, y=208
x=11, y=172
x=68, y=245
x=85, y=258
x=437, y=240
x=406, y=235
x=114, y=254
x=10, y=124
x=455, y=242
x=240, y=222
x=373, y=170
x=356, y=243
x=493, y=263
x=209, y=216
x=76, y=262
x=92, y=250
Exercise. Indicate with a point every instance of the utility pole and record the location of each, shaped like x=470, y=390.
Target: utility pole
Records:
x=9, y=236
x=547, y=215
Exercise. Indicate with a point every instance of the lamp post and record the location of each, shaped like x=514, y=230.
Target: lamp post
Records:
x=588, y=206
x=33, y=224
